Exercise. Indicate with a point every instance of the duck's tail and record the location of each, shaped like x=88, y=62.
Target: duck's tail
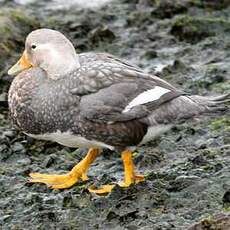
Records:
x=186, y=107
x=212, y=104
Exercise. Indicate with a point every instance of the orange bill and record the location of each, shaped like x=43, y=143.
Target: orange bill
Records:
x=22, y=64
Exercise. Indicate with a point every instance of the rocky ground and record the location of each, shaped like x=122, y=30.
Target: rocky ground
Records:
x=186, y=42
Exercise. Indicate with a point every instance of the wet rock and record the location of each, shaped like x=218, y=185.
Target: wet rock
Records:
x=5, y=153
x=194, y=29
x=181, y=182
x=201, y=144
x=3, y=100
x=149, y=158
x=212, y=77
x=101, y=34
x=14, y=26
x=168, y=9
x=177, y=66
x=150, y=54
x=49, y=161
x=25, y=161
x=218, y=222
x=178, y=71
x=9, y=133
x=226, y=199
x=211, y=4
x=139, y=19
x=18, y=147
x=221, y=123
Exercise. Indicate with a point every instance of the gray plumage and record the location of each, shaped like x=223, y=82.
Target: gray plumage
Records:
x=102, y=99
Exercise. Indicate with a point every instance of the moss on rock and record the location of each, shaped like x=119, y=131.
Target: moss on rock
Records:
x=14, y=26
x=221, y=123
x=220, y=221
x=168, y=8
x=210, y=4
x=195, y=29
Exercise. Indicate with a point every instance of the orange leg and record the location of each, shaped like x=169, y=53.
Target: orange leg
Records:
x=130, y=175
x=69, y=179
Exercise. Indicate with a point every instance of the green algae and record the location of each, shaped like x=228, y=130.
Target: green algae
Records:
x=221, y=124
x=14, y=26
x=194, y=29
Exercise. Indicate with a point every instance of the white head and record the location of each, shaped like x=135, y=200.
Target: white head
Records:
x=49, y=50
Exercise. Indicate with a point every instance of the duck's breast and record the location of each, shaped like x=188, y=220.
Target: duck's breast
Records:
x=41, y=105
x=21, y=93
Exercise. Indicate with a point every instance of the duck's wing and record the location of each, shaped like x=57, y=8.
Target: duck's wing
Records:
x=112, y=92
x=90, y=57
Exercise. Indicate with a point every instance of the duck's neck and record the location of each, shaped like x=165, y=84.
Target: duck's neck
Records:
x=61, y=66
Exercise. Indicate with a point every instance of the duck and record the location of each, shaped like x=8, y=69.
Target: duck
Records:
x=95, y=101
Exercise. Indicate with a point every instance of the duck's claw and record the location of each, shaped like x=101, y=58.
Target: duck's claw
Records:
x=130, y=176
x=137, y=178
x=69, y=179
x=105, y=189
x=79, y=172
x=55, y=181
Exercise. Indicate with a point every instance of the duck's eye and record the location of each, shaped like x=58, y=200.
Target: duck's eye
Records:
x=33, y=47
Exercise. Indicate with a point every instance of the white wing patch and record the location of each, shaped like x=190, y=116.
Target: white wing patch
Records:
x=145, y=97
